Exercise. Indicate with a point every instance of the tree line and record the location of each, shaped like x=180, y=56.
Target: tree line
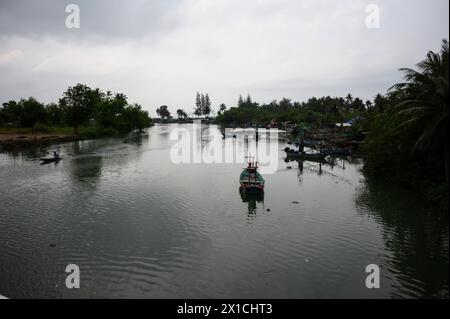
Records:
x=321, y=111
x=407, y=128
x=202, y=108
x=104, y=113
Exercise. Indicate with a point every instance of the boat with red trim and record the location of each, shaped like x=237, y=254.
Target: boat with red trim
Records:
x=251, y=180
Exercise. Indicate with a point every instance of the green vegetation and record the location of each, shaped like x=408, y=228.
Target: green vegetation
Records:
x=317, y=111
x=182, y=115
x=202, y=105
x=407, y=128
x=90, y=112
x=163, y=112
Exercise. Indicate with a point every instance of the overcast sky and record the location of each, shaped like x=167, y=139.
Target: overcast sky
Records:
x=163, y=52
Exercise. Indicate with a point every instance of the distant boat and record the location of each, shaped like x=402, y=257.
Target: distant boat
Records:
x=304, y=155
x=339, y=152
x=251, y=180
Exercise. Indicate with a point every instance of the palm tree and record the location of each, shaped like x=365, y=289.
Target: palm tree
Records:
x=425, y=105
x=349, y=99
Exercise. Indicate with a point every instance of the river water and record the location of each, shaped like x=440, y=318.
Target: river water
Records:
x=140, y=225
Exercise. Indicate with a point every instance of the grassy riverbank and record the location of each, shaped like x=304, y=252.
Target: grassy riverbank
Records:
x=15, y=137
x=82, y=112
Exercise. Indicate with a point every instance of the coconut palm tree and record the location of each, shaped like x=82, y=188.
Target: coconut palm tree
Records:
x=425, y=105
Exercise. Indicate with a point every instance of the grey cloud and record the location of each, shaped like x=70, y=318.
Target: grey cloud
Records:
x=100, y=18
x=163, y=51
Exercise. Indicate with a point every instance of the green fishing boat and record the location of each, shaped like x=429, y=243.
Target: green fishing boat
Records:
x=251, y=180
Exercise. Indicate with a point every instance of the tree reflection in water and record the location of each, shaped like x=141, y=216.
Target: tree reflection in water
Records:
x=415, y=238
x=137, y=138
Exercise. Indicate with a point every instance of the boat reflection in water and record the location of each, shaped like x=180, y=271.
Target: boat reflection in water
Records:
x=301, y=165
x=252, y=198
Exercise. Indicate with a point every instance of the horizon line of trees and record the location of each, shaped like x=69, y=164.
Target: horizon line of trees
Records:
x=202, y=108
x=79, y=106
x=323, y=111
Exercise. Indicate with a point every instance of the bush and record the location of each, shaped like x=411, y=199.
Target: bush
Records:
x=108, y=131
x=93, y=132
x=90, y=132
x=40, y=128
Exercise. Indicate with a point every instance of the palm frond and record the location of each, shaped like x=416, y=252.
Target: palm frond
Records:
x=423, y=140
x=412, y=111
x=444, y=47
x=411, y=103
x=441, y=121
x=407, y=123
x=398, y=86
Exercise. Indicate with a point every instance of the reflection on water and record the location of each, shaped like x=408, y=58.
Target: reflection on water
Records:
x=421, y=269
x=139, y=225
x=86, y=168
x=252, y=198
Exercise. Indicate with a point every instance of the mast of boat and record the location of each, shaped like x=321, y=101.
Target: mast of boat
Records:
x=251, y=167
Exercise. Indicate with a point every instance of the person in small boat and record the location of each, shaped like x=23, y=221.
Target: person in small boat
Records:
x=301, y=146
x=55, y=155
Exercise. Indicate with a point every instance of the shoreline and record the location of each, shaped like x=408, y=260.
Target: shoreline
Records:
x=12, y=140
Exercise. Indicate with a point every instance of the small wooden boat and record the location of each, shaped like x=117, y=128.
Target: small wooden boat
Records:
x=304, y=155
x=50, y=160
x=250, y=179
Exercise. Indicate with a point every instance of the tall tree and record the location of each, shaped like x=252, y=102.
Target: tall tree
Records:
x=10, y=113
x=425, y=104
x=348, y=100
x=136, y=118
x=55, y=114
x=381, y=103
x=241, y=101
x=207, y=106
x=163, y=112
x=358, y=105
x=248, y=100
x=202, y=104
x=32, y=112
x=222, y=108
x=77, y=104
x=198, y=105
x=181, y=114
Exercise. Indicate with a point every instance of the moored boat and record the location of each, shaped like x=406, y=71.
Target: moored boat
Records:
x=339, y=152
x=250, y=179
x=304, y=155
